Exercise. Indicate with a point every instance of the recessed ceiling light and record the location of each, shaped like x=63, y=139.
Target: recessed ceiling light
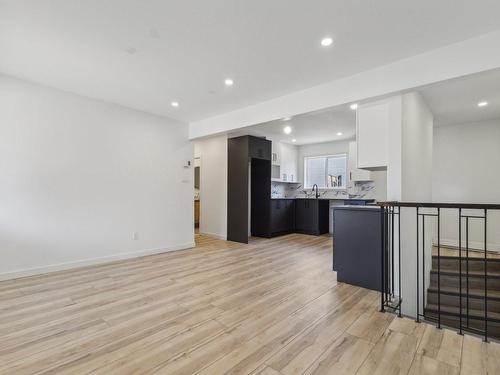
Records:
x=326, y=41
x=482, y=104
x=354, y=106
x=174, y=104
x=287, y=130
x=294, y=140
x=286, y=119
x=228, y=82
x=339, y=134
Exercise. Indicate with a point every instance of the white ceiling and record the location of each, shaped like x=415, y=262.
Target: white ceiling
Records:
x=451, y=102
x=144, y=54
x=315, y=127
x=455, y=101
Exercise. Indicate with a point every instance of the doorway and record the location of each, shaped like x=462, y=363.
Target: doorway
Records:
x=197, y=203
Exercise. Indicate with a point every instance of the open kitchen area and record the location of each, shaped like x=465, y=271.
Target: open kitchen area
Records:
x=325, y=172
x=304, y=167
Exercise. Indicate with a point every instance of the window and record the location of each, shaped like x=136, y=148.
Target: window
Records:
x=328, y=171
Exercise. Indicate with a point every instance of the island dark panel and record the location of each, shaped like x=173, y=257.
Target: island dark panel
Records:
x=357, y=236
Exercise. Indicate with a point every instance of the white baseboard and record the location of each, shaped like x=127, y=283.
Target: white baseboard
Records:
x=92, y=261
x=473, y=245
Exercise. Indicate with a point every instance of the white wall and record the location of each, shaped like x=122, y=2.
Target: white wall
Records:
x=213, y=185
x=395, y=144
x=417, y=137
x=416, y=186
x=466, y=165
x=79, y=176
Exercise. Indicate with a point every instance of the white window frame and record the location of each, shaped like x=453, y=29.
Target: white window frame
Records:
x=306, y=158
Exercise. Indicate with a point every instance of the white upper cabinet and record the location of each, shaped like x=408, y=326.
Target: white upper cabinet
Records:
x=289, y=158
x=356, y=174
x=286, y=157
x=372, y=124
x=275, y=153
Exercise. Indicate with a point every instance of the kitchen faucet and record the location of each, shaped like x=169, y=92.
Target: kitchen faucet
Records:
x=317, y=192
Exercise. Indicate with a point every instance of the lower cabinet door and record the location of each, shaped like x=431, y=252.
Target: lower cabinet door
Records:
x=309, y=216
x=291, y=215
x=279, y=216
x=302, y=213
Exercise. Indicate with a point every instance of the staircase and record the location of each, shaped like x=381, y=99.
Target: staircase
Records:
x=472, y=295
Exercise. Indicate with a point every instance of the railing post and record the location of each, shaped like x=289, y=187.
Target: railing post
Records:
x=439, y=266
x=392, y=251
x=418, y=281
x=387, y=258
x=467, y=264
x=460, y=266
x=382, y=249
x=399, y=263
x=485, y=275
x=423, y=265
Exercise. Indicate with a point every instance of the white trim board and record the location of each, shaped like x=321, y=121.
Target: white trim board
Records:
x=92, y=261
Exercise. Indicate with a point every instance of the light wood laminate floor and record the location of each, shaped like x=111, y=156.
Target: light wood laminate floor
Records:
x=271, y=307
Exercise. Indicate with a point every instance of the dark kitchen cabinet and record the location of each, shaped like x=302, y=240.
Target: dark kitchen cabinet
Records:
x=282, y=217
x=249, y=187
x=259, y=148
x=312, y=216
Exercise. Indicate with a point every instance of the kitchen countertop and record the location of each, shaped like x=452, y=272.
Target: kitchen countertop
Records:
x=331, y=199
x=357, y=207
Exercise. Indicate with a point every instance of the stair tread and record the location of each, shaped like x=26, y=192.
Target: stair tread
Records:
x=474, y=254
x=472, y=291
x=473, y=313
x=464, y=258
x=473, y=273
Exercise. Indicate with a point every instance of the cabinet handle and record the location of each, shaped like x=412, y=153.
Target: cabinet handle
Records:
x=350, y=176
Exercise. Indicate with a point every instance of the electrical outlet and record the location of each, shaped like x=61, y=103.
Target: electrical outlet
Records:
x=135, y=235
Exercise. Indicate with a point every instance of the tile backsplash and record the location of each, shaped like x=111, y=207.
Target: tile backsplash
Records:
x=365, y=189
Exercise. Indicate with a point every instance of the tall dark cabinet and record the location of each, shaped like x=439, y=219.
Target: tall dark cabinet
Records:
x=248, y=184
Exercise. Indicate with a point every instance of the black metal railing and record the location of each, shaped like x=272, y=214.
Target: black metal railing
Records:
x=395, y=252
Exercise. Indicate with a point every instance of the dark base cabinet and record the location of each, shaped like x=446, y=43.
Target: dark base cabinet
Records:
x=282, y=217
x=312, y=216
